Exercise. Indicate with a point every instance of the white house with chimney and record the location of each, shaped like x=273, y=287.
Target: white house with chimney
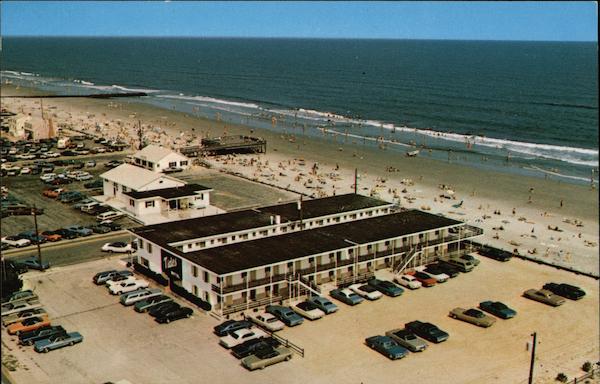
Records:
x=157, y=159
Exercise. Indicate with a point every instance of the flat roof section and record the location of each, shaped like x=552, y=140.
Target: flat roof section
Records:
x=169, y=193
x=276, y=249
x=173, y=232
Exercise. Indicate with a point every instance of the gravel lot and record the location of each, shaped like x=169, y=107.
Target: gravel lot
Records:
x=122, y=344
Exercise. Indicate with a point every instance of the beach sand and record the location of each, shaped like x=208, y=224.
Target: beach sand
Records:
x=516, y=212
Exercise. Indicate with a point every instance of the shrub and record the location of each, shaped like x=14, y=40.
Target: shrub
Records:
x=587, y=366
x=562, y=377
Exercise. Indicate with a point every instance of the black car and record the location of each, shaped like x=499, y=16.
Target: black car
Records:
x=230, y=326
x=179, y=313
x=16, y=267
x=427, y=331
x=31, y=236
x=435, y=269
x=112, y=226
x=164, y=308
x=29, y=338
x=66, y=233
x=61, y=181
x=250, y=346
x=100, y=228
x=495, y=253
x=447, y=268
x=565, y=290
x=93, y=184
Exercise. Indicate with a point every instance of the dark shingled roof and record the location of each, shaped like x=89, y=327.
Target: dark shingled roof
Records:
x=169, y=193
x=275, y=249
x=163, y=234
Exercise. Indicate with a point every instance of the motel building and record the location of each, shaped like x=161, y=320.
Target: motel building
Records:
x=248, y=259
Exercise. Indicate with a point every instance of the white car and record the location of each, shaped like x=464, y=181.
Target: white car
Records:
x=118, y=247
x=308, y=310
x=25, y=171
x=120, y=279
x=407, y=281
x=268, y=321
x=52, y=154
x=241, y=335
x=439, y=277
x=366, y=291
x=127, y=286
x=15, y=241
x=48, y=177
x=84, y=177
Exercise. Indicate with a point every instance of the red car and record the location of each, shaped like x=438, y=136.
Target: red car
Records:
x=51, y=236
x=426, y=280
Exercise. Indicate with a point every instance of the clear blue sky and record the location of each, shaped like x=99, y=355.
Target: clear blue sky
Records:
x=562, y=21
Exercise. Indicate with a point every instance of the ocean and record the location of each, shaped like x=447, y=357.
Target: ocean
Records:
x=524, y=107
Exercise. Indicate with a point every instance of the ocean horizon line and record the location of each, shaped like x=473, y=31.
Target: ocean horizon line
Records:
x=292, y=38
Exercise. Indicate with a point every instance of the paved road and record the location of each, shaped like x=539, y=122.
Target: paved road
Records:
x=70, y=251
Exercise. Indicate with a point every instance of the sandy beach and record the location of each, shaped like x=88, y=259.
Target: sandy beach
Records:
x=542, y=218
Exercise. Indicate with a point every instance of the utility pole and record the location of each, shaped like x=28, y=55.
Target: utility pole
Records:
x=39, y=250
x=534, y=334
x=355, y=181
x=140, y=133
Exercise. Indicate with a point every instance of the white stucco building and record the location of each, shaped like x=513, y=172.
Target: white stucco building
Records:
x=157, y=159
x=152, y=197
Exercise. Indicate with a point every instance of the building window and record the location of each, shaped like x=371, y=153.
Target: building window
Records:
x=206, y=277
x=369, y=247
x=202, y=244
x=194, y=271
x=172, y=164
x=189, y=246
x=149, y=204
x=195, y=290
x=206, y=297
x=244, y=274
x=244, y=236
x=145, y=262
x=149, y=247
x=183, y=163
x=267, y=270
x=140, y=243
x=387, y=243
x=264, y=233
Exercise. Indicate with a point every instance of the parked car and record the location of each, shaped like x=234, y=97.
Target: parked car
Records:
x=285, y=314
x=366, y=291
x=127, y=286
x=433, y=273
x=386, y=346
x=110, y=215
x=407, y=339
x=230, y=326
x=176, y=314
x=160, y=309
x=33, y=263
x=308, y=310
x=99, y=228
x=497, y=308
x=427, y=331
x=565, y=290
x=60, y=181
x=18, y=307
x=32, y=236
x=93, y=184
x=386, y=287
x=346, y=296
x=53, y=192
x=20, y=295
x=112, y=275
x=407, y=281
x=51, y=236
x=112, y=226
x=494, y=253
x=118, y=279
x=544, y=296
x=132, y=297
x=443, y=267
x=146, y=304
x=48, y=177
x=30, y=324
x=265, y=357
x=90, y=164
x=119, y=247
x=238, y=337
x=29, y=338
x=323, y=304
x=15, y=241
x=20, y=316
x=425, y=279
x=66, y=233
x=268, y=321
x=113, y=163
x=473, y=316
x=58, y=341
x=251, y=346
x=473, y=260
x=80, y=230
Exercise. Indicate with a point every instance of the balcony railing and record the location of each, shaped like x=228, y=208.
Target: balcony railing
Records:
x=467, y=231
x=252, y=304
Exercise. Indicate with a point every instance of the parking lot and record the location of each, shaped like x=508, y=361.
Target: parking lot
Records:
x=122, y=344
